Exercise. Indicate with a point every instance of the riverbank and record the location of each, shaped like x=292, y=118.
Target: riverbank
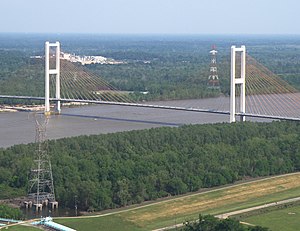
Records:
x=27, y=108
x=35, y=108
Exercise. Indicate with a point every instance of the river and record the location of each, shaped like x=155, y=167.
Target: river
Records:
x=19, y=127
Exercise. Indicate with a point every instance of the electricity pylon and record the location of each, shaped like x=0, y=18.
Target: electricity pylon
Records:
x=41, y=191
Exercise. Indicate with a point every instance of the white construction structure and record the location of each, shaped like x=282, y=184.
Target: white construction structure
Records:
x=48, y=72
x=238, y=81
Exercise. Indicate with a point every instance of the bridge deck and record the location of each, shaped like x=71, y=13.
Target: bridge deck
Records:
x=153, y=106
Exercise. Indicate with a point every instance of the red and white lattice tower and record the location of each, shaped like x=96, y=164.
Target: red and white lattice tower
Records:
x=213, y=79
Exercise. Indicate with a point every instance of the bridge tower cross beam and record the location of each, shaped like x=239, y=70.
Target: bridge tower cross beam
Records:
x=48, y=72
x=238, y=81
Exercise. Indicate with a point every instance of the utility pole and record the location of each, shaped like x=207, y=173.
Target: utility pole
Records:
x=75, y=204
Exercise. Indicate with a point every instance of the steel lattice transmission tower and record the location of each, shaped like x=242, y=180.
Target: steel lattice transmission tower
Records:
x=213, y=79
x=41, y=191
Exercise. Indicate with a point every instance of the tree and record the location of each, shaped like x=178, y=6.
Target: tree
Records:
x=10, y=213
x=210, y=223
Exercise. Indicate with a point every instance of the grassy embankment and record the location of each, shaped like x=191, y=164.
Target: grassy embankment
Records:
x=287, y=219
x=177, y=210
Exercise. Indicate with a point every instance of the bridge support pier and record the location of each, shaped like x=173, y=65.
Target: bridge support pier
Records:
x=28, y=204
x=54, y=204
x=48, y=72
x=238, y=81
x=38, y=207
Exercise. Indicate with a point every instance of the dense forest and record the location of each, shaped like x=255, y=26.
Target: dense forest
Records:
x=10, y=213
x=114, y=170
x=168, y=67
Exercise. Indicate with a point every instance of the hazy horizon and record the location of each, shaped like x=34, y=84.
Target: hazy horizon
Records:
x=155, y=17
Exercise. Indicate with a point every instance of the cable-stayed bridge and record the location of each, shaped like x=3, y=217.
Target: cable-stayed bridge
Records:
x=255, y=90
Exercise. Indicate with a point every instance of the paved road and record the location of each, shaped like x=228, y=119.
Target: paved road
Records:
x=27, y=223
x=226, y=215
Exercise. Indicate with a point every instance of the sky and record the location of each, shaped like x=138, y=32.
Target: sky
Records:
x=151, y=16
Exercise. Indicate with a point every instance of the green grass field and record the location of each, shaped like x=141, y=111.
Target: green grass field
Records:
x=112, y=222
x=21, y=228
x=178, y=210
x=282, y=219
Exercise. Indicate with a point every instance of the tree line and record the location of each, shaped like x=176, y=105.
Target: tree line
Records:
x=210, y=223
x=168, y=68
x=115, y=170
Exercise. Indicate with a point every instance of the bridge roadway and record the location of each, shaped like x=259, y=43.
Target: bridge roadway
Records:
x=154, y=107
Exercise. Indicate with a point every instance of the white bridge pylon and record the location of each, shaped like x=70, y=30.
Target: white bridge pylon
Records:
x=48, y=72
x=238, y=81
